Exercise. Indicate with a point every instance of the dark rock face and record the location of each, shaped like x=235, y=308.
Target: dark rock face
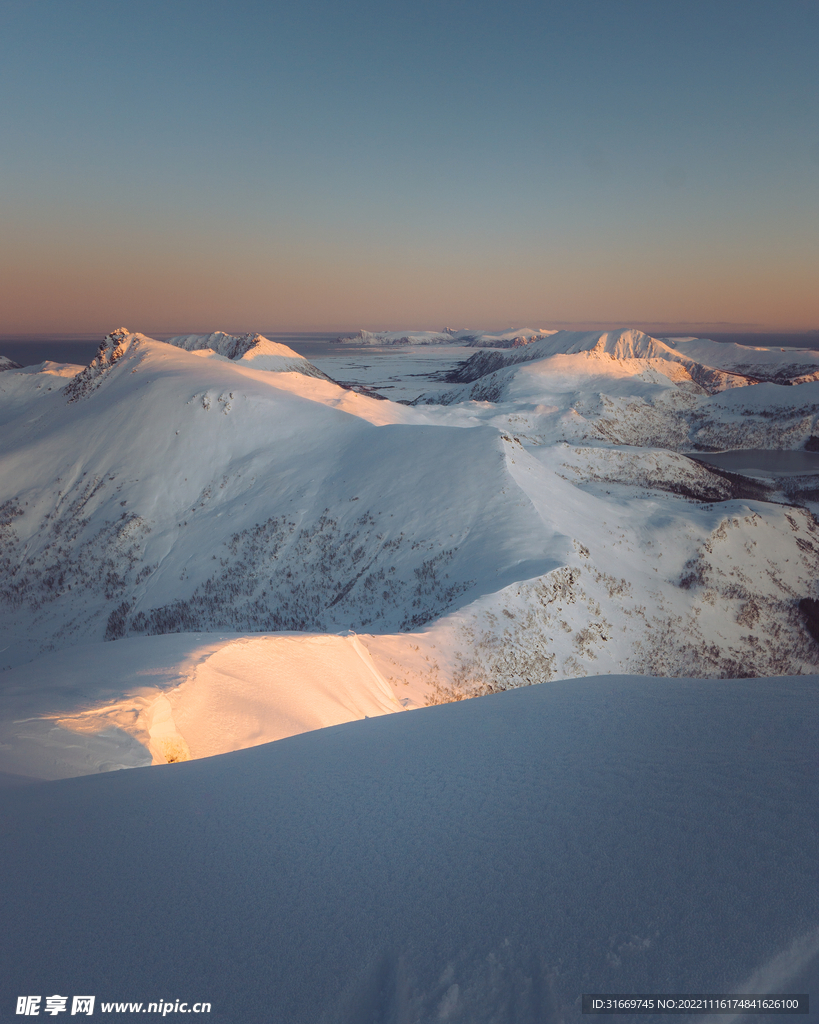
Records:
x=111, y=350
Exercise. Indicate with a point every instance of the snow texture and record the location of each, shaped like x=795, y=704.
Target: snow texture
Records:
x=487, y=861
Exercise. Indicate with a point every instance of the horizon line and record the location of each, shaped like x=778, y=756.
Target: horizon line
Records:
x=677, y=326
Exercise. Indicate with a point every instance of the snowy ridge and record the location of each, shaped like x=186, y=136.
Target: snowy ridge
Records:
x=251, y=349
x=8, y=364
x=619, y=345
x=514, y=338
x=158, y=700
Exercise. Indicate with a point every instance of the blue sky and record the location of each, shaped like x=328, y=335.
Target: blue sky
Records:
x=258, y=165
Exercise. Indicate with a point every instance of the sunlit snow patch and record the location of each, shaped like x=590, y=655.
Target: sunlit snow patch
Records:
x=172, y=698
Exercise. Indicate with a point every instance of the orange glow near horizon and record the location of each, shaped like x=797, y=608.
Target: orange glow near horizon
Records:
x=539, y=165
x=73, y=286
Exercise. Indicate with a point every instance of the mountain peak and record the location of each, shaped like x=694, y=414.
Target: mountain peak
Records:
x=251, y=349
x=8, y=364
x=112, y=348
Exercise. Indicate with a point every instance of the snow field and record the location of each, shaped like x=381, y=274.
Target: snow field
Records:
x=486, y=861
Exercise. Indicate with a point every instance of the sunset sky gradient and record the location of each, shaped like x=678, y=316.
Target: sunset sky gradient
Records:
x=254, y=165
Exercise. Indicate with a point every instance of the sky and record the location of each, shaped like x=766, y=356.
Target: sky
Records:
x=346, y=163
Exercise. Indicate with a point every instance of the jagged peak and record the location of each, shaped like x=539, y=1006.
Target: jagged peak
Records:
x=112, y=348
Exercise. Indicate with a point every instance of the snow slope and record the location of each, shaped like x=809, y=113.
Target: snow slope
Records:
x=656, y=583
x=161, y=491
x=488, y=861
x=251, y=349
x=780, y=365
x=161, y=699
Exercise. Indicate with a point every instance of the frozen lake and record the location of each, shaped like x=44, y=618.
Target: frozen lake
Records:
x=398, y=372
x=762, y=461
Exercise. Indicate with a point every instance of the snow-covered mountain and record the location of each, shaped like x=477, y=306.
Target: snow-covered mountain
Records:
x=618, y=345
x=8, y=364
x=547, y=527
x=781, y=365
x=514, y=338
x=203, y=549
x=624, y=387
x=158, y=491
x=251, y=349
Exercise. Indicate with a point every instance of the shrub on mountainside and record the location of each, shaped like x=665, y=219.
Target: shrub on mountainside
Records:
x=809, y=607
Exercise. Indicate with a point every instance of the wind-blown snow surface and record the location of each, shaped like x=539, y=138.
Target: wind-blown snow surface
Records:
x=487, y=861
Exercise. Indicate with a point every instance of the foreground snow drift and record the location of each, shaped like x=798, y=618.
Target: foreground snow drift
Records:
x=484, y=861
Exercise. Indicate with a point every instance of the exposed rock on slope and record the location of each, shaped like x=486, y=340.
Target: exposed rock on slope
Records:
x=250, y=349
x=111, y=350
